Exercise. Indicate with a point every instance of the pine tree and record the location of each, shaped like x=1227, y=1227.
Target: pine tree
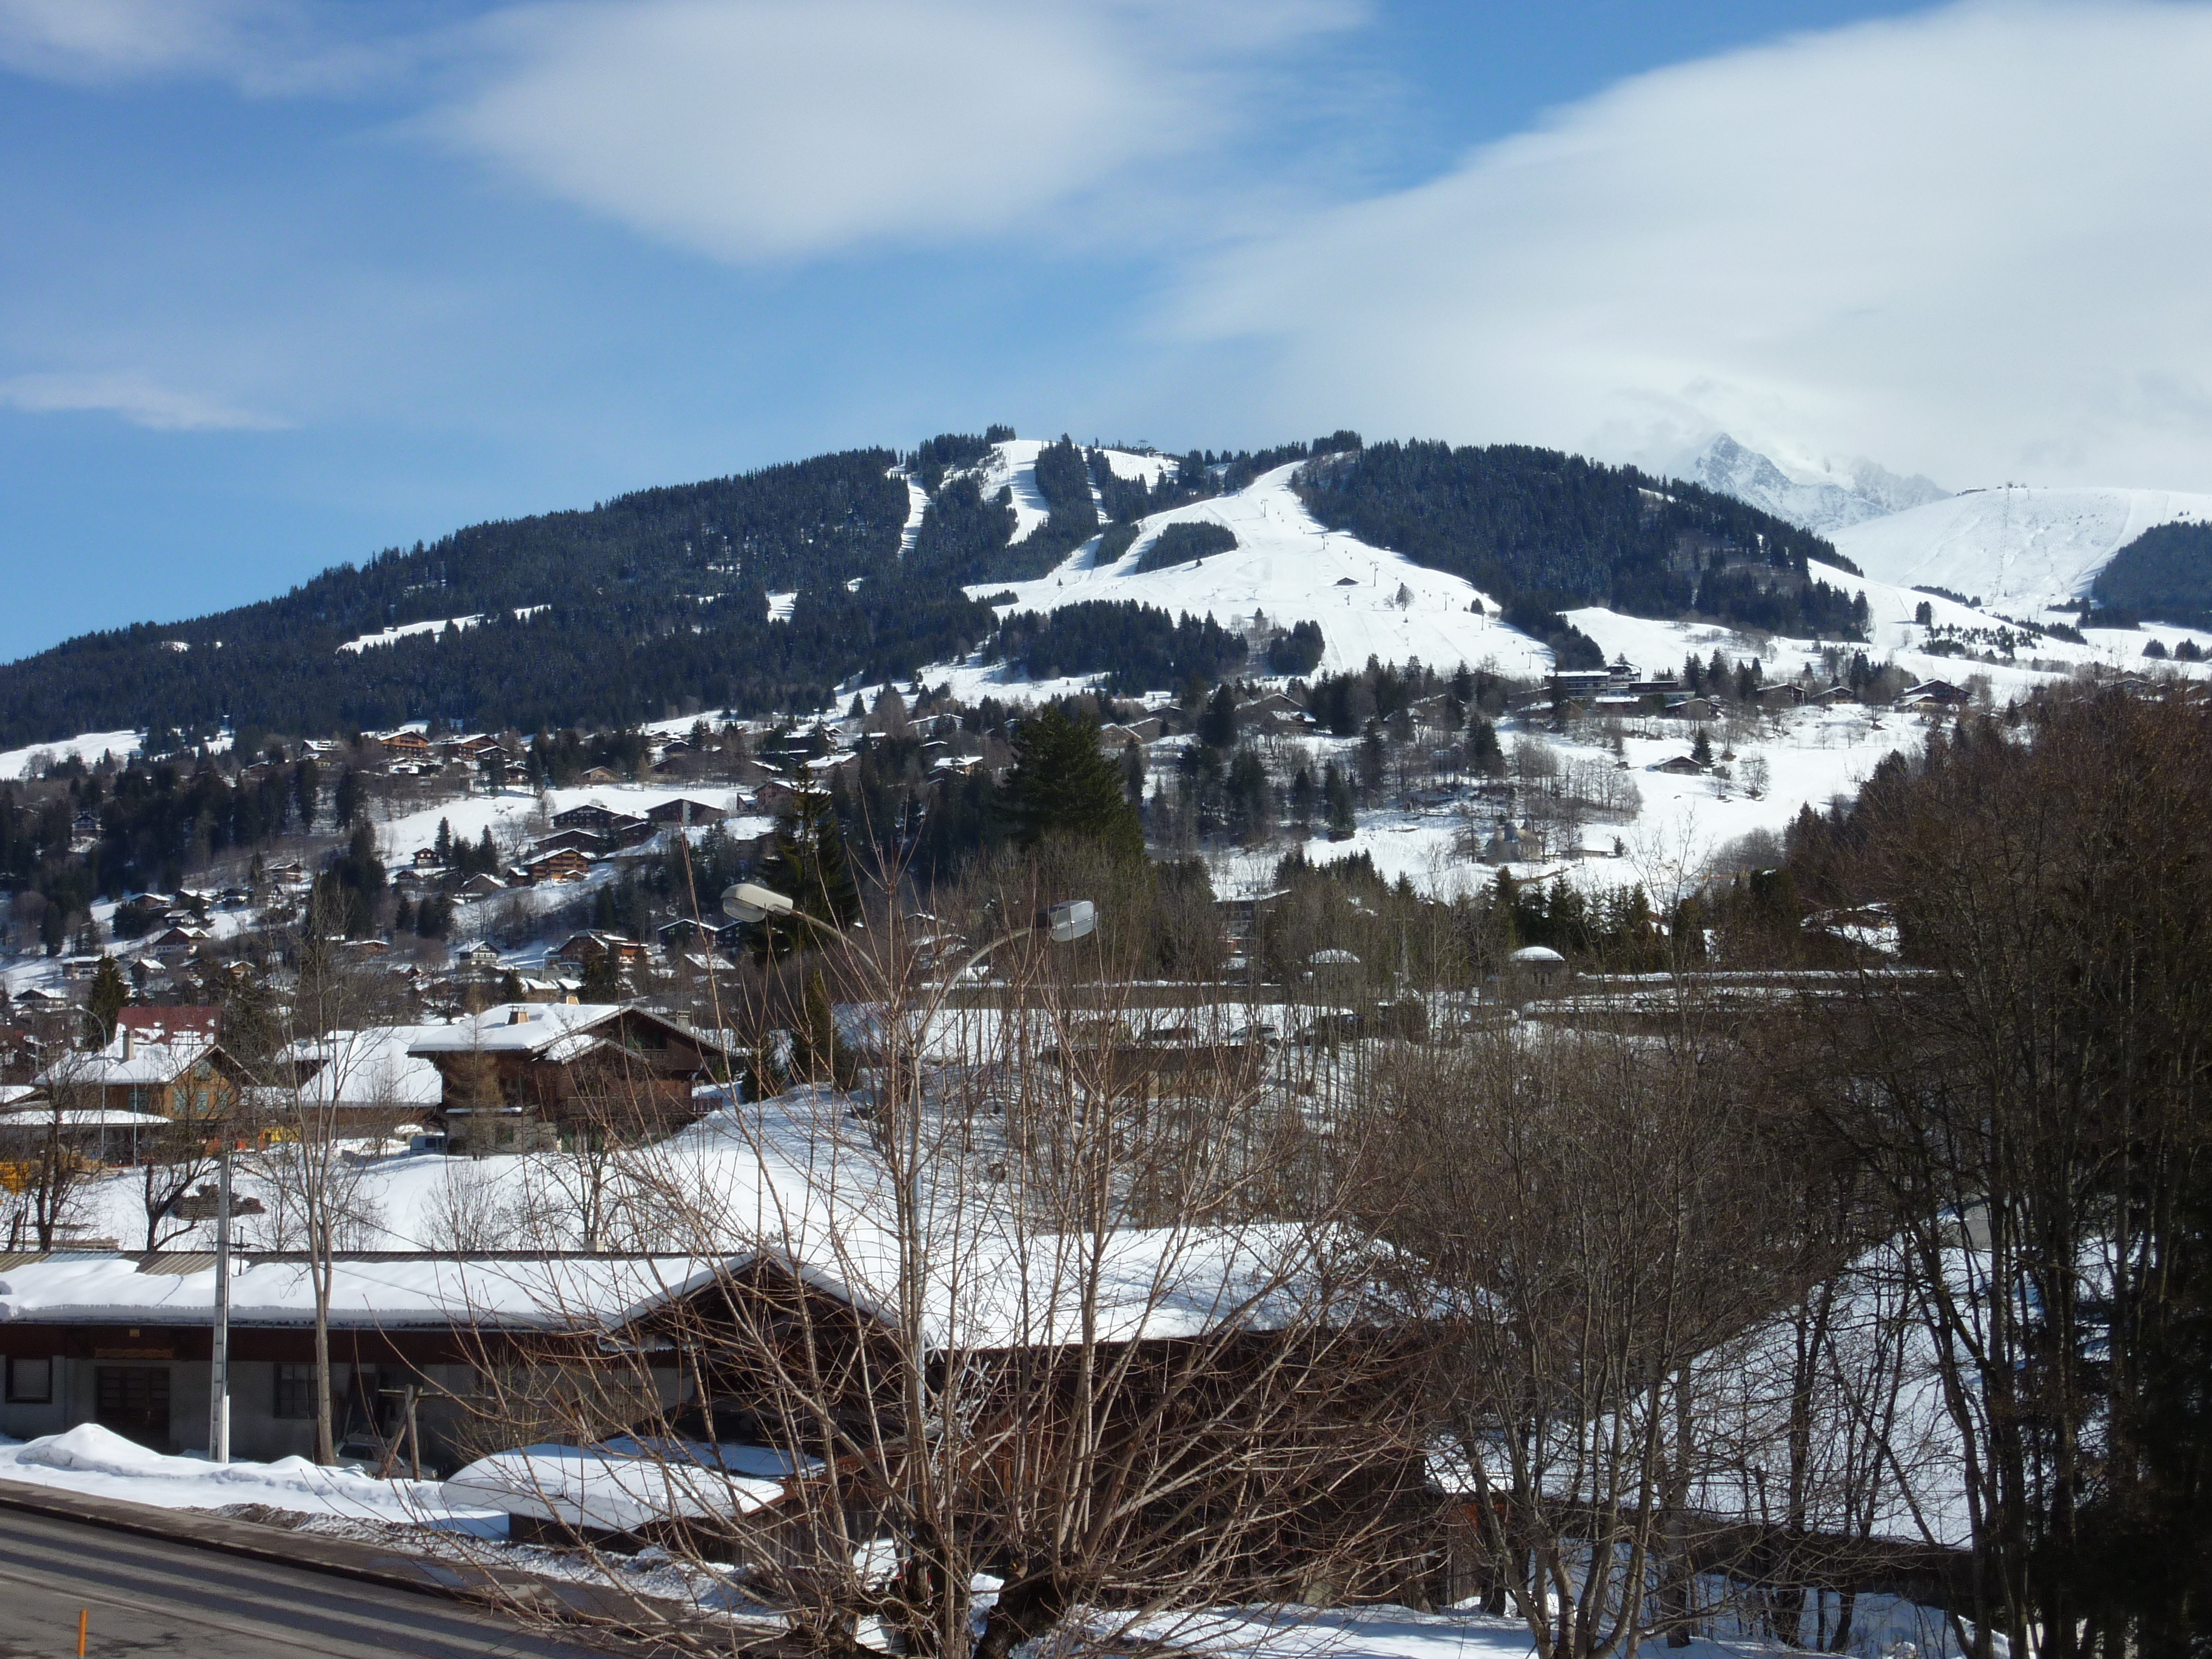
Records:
x=443, y=848
x=1341, y=824
x=1373, y=752
x=819, y=1054
x=1486, y=756
x=1701, y=748
x=1061, y=785
x=811, y=868
x=1217, y=726
x=351, y=796
x=602, y=979
x=306, y=782
x=103, y=1003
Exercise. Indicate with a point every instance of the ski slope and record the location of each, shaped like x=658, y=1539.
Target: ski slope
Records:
x=2017, y=548
x=1286, y=565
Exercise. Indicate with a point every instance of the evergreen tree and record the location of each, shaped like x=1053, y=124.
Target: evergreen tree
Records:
x=441, y=848
x=1486, y=756
x=602, y=980
x=811, y=868
x=351, y=796
x=1217, y=726
x=347, y=894
x=819, y=1054
x=306, y=782
x=103, y=1003
x=1701, y=748
x=1133, y=772
x=1061, y=785
x=1372, y=754
x=1338, y=789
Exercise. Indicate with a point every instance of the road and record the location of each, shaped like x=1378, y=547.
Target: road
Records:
x=148, y=1595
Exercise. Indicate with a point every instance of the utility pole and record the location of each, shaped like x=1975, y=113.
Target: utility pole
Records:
x=219, y=1345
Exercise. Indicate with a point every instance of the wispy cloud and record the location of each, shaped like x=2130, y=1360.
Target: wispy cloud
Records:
x=133, y=398
x=1972, y=242
x=752, y=129
x=260, y=46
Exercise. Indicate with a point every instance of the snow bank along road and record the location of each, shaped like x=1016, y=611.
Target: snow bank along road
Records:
x=155, y=1595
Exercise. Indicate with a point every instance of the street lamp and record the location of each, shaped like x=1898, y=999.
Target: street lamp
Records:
x=748, y=900
x=1063, y=924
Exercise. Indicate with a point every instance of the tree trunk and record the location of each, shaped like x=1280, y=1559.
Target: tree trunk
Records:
x=326, y=1441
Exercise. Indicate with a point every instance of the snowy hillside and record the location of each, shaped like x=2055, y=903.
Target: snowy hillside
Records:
x=1367, y=602
x=2017, y=548
x=1818, y=499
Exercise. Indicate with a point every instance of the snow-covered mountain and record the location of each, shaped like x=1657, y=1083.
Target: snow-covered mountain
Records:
x=1369, y=602
x=1823, y=501
x=2015, y=548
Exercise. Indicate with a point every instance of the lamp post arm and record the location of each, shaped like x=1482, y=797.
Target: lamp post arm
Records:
x=961, y=973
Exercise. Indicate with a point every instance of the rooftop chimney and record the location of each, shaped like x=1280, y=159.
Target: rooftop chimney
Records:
x=129, y=1043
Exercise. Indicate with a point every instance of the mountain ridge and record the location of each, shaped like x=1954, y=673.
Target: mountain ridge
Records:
x=1822, y=503
x=767, y=591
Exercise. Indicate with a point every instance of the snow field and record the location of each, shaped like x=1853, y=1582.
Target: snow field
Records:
x=87, y=747
x=1287, y=565
x=2016, y=548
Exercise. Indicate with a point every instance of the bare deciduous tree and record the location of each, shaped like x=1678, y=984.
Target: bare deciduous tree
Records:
x=1028, y=1338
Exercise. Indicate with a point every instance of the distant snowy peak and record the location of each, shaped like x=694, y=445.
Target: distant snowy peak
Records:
x=2014, y=547
x=1820, y=502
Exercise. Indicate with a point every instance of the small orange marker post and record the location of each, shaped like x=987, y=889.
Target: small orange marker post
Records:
x=84, y=1620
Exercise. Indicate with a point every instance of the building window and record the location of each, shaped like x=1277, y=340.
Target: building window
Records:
x=30, y=1382
x=295, y=1390
x=138, y=1100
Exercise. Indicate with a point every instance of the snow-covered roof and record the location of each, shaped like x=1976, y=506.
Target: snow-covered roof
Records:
x=525, y=1292
x=1537, y=956
x=376, y=1066
x=512, y=1028
x=129, y=1061
x=1008, y=1291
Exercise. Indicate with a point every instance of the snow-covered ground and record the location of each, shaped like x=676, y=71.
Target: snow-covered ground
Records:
x=406, y=630
x=514, y=816
x=1369, y=602
x=2015, y=548
x=1812, y=755
x=101, y=1463
x=87, y=747
x=347, y=1501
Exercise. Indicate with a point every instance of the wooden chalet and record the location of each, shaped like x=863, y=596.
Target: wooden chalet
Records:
x=525, y=1074
x=566, y=864
x=149, y=1068
x=684, y=813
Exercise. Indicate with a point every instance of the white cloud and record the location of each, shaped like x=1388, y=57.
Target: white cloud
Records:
x=1972, y=243
x=753, y=129
x=261, y=47
x=135, y=399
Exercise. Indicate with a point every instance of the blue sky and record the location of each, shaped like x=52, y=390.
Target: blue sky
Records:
x=286, y=282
